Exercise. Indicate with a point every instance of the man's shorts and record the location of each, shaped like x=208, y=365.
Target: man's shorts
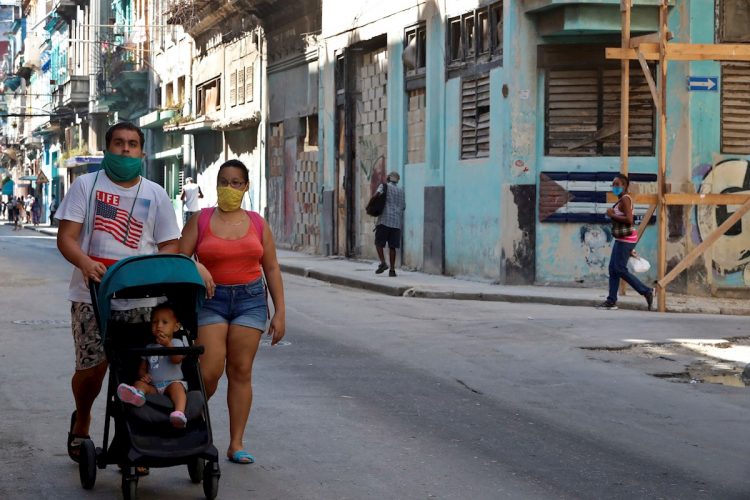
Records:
x=88, y=342
x=390, y=235
x=243, y=305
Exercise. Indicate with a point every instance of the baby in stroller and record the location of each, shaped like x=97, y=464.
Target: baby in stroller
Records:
x=161, y=374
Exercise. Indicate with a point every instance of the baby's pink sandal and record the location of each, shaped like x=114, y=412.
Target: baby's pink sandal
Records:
x=178, y=419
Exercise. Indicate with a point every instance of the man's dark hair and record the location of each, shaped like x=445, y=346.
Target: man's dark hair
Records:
x=236, y=164
x=123, y=126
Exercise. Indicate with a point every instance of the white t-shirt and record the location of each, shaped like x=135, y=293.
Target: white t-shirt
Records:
x=191, y=197
x=116, y=225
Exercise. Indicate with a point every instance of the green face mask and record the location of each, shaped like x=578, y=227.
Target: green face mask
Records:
x=121, y=168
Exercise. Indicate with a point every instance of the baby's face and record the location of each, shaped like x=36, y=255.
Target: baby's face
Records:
x=163, y=325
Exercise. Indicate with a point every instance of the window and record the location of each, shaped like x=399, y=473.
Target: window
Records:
x=180, y=90
x=735, y=108
x=475, y=118
x=415, y=48
x=170, y=94
x=233, y=88
x=241, y=86
x=312, y=130
x=733, y=20
x=476, y=37
x=582, y=112
x=249, y=80
x=208, y=96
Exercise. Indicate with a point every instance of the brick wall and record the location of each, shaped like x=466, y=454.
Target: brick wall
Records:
x=415, y=124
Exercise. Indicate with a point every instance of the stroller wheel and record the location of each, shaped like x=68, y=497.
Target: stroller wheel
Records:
x=87, y=464
x=129, y=484
x=195, y=469
x=211, y=477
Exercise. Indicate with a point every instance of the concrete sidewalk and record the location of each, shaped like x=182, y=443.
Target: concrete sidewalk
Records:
x=361, y=274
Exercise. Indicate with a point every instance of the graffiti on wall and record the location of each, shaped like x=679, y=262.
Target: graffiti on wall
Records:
x=731, y=253
x=371, y=162
x=595, y=241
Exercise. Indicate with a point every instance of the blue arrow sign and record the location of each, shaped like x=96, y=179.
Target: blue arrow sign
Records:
x=705, y=83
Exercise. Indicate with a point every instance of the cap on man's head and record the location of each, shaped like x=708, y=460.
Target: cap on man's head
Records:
x=394, y=176
x=188, y=179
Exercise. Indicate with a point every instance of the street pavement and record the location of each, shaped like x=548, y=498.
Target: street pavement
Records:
x=380, y=396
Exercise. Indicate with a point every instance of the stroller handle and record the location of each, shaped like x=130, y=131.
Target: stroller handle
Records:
x=166, y=351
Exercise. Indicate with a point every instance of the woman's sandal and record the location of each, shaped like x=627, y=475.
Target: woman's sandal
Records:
x=241, y=457
x=74, y=440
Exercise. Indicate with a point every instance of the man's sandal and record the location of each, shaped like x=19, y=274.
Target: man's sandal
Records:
x=74, y=441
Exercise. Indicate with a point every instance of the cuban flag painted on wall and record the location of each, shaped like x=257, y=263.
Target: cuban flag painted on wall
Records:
x=582, y=196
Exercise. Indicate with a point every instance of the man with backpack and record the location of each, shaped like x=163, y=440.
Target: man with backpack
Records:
x=388, y=228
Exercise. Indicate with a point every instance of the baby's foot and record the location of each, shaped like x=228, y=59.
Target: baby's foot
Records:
x=131, y=395
x=178, y=419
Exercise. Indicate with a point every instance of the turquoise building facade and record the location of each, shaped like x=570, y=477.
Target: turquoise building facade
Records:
x=528, y=205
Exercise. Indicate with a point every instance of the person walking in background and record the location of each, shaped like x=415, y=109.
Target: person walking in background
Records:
x=36, y=210
x=28, y=203
x=388, y=228
x=20, y=213
x=190, y=195
x=52, y=210
x=626, y=238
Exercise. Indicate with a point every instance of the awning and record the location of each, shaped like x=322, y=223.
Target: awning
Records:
x=27, y=178
x=156, y=118
x=78, y=161
x=169, y=153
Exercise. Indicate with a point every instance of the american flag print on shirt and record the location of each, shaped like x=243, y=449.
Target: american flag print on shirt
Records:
x=114, y=221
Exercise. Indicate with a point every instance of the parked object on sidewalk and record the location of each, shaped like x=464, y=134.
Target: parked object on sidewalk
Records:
x=149, y=431
x=625, y=238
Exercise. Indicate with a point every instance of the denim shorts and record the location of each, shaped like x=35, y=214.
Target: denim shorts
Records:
x=243, y=305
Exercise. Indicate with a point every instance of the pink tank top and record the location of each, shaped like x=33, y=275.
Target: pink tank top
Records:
x=633, y=238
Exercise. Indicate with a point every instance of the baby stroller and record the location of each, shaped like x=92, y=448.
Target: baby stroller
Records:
x=144, y=436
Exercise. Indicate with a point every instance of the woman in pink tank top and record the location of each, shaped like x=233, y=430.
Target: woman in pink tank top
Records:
x=622, y=213
x=234, y=249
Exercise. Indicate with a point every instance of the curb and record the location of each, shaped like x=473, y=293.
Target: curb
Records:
x=409, y=291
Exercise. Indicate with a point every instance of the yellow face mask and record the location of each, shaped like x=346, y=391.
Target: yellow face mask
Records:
x=229, y=198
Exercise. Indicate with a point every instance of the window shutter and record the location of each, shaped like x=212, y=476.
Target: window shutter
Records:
x=582, y=114
x=572, y=112
x=735, y=108
x=249, y=75
x=233, y=88
x=241, y=86
x=475, y=117
x=641, y=128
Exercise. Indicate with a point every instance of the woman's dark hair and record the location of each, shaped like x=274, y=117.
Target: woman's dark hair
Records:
x=235, y=164
x=623, y=178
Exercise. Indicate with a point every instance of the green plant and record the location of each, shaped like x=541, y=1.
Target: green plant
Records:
x=82, y=150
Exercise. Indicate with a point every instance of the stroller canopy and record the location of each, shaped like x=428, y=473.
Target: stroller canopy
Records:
x=142, y=276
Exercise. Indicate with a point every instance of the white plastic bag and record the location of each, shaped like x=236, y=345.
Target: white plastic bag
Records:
x=638, y=264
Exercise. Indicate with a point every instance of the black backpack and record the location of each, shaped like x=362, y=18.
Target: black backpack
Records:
x=376, y=205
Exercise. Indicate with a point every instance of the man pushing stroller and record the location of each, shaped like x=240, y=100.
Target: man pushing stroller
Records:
x=106, y=216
